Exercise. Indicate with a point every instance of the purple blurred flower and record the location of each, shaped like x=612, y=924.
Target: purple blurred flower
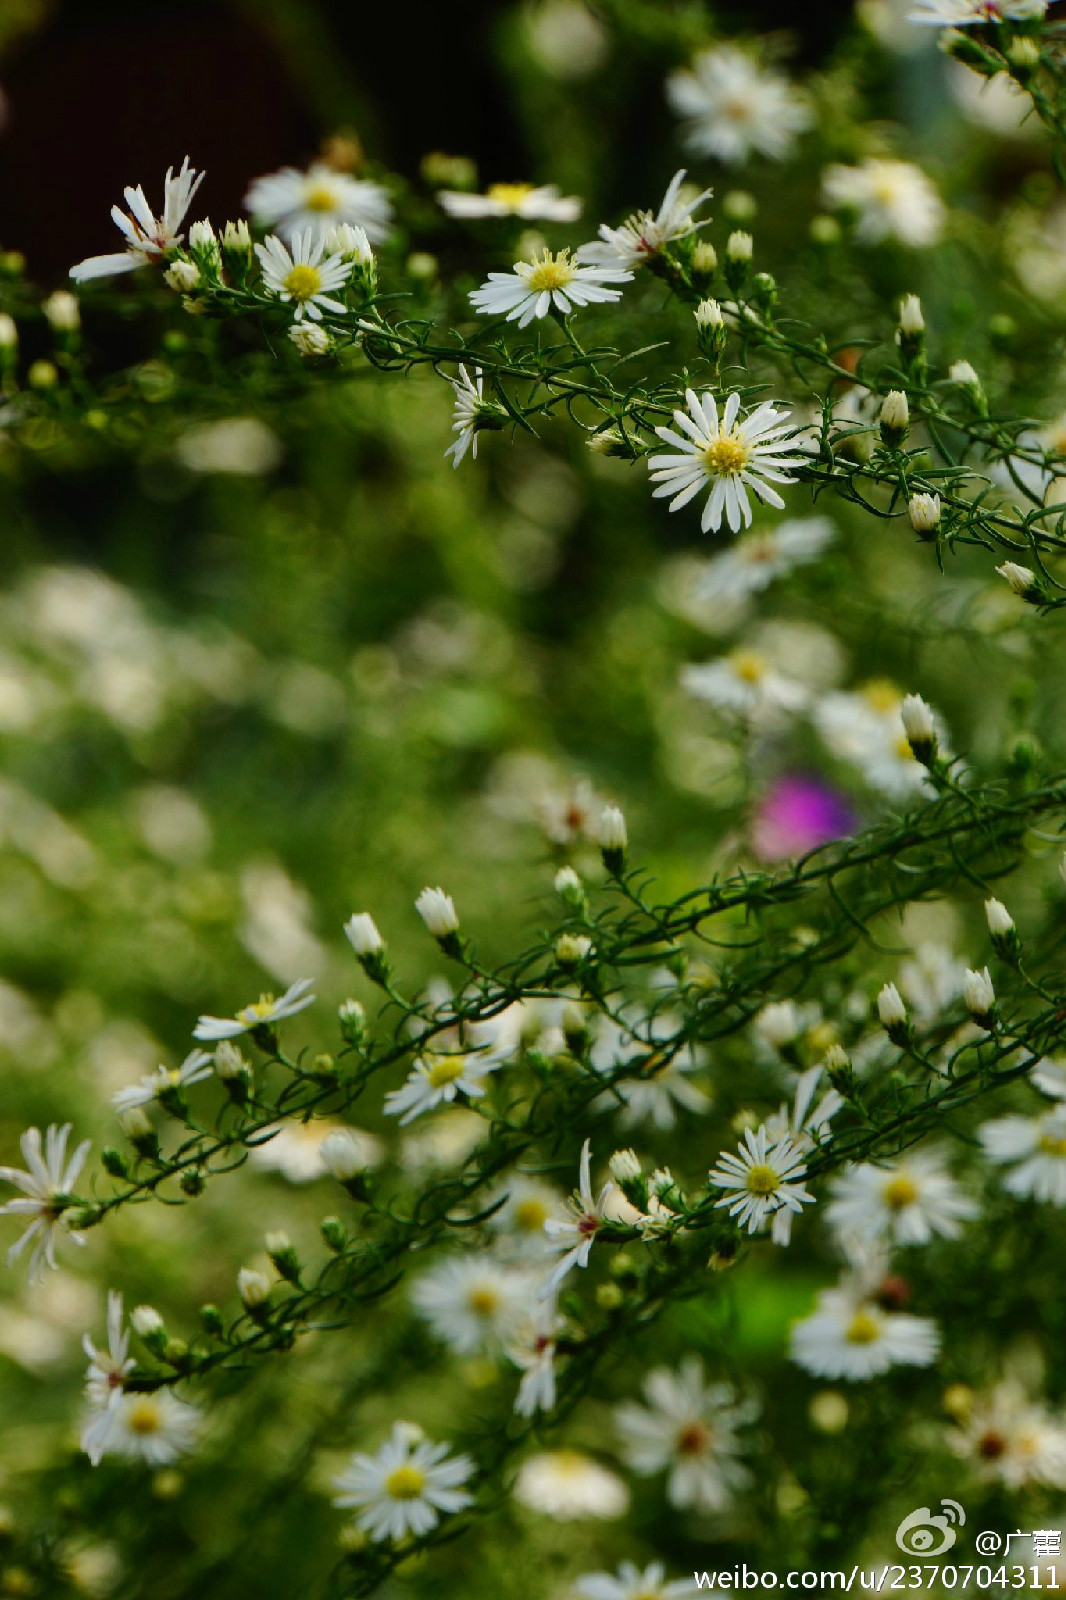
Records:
x=797, y=814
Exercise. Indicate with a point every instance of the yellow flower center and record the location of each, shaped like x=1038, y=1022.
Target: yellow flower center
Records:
x=144, y=1418
x=863, y=1329
x=550, y=272
x=530, y=1215
x=881, y=695
x=900, y=1192
x=748, y=665
x=736, y=108
x=570, y=1463
x=320, y=197
x=445, y=1070
x=726, y=455
x=885, y=188
x=510, y=195
x=483, y=1301
x=762, y=1180
x=405, y=1483
x=303, y=282
x=257, y=1011
x=903, y=748
x=1050, y=1146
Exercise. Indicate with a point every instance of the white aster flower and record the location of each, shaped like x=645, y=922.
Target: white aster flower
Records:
x=733, y=108
x=646, y=233
x=1049, y=1076
x=931, y=980
x=263, y=1013
x=577, y=1235
x=532, y=1348
x=406, y=1487
x=148, y=237
x=295, y=1149
x=303, y=276
x=532, y=202
x=46, y=1187
x=688, y=1428
x=533, y=288
x=108, y=1369
x=850, y=1336
x=1035, y=1148
x=726, y=455
x=757, y=560
x=908, y=1201
x=744, y=684
x=865, y=728
x=567, y=1485
x=1013, y=1439
x=657, y=1085
x=803, y=1121
x=473, y=1303
x=317, y=200
x=519, y=1221
x=469, y=403
x=762, y=1184
x=164, y=1080
x=976, y=13
x=437, y=1078
x=891, y=199
x=631, y=1584
x=155, y=1428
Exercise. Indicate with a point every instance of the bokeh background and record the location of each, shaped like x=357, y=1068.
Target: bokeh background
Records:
x=272, y=660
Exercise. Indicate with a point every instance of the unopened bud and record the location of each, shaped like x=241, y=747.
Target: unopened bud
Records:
x=1004, y=934
x=62, y=311
x=892, y=1014
x=979, y=997
x=352, y=1019
x=613, y=838
x=918, y=725
x=183, y=276
x=738, y=253
x=363, y=936
x=1023, y=582
x=624, y=1164
x=571, y=890
x=438, y=912
x=704, y=260
x=286, y=1262
x=894, y=418
x=571, y=949
x=254, y=1290
x=924, y=512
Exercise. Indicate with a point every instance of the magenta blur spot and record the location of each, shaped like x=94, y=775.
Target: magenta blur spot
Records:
x=796, y=815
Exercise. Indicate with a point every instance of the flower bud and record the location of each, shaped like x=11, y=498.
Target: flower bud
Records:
x=139, y=1131
x=704, y=260
x=979, y=997
x=311, y=339
x=919, y=727
x=254, y=1290
x=211, y=1321
x=613, y=838
x=9, y=333
x=285, y=1260
x=204, y=246
x=363, y=936
x=911, y=320
x=962, y=373
x=825, y=231
x=779, y=1023
x=571, y=949
x=43, y=375
x=575, y=1025
x=438, y=912
x=892, y=1014
x=711, y=329
x=1023, y=582
x=924, y=512
x=571, y=890
x=352, y=1019
x=114, y=1162
x=624, y=1164
x=1023, y=53
x=1004, y=934
x=344, y=1160
x=148, y=1325
x=62, y=311
x=334, y=1234
x=183, y=276
x=738, y=253
x=894, y=418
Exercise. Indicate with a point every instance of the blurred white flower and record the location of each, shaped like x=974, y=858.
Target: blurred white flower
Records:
x=849, y=1335
x=242, y=446
x=109, y=1369
x=757, y=560
x=473, y=1303
x=532, y=1348
x=1013, y=1439
x=688, y=1429
x=908, y=1201
x=976, y=13
x=533, y=203
x=745, y=684
x=148, y=237
x=46, y=1188
x=1035, y=1149
x=156, y=1428
x=891, y=200
x=295, y=1149
x=733, y=108
x=632, y=1584
x=405, y=1488
x=569, y=1486
x=317, y=200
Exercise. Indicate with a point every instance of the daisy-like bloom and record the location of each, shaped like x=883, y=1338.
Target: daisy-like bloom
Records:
x=865, y=727
x=849, y=1335
x=532, y=1348
x=108, y=1369
x=46, y=1188
x=567, y=1485
x=891, y=199
x=1049, y=1076
x=688, y=1428
x=437, y=1078
x=727, y=455
x=629, y=1583
x=318, y=199
x=469, y=404
x=577, y=1235
x=533, y=288
x=646, y=233
x=163, y=1081
x=975, y=13
x=295, y=1149
x=406, y=1487
x=532, y=202
x=156, y=1428
x=762, y=1184
x=745, y=684
x=472, y=1303
x=263, y=1013
x=758, y=559
x=303, y=277
x=148, y=237
x=657, y=1086
x=733, y=108
x=803, y=1121
x=908, y=1201
x=1035, y=1148
x=1013, y=1439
